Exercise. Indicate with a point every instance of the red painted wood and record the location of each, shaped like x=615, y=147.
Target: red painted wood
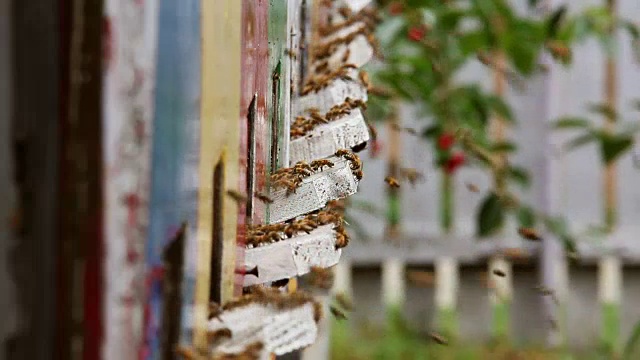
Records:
x=254, y=79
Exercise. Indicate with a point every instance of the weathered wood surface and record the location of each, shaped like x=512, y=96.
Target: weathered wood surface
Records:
x=314, y=192
x=281, y=331
x=175, y=158
x=128, y=114
x=332, y=95
x=326, y=139
x=292, y=257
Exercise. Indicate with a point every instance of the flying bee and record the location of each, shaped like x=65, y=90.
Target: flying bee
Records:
x=529, y=234
x=337, y=313
x=548, y=292
x=237, y=196
x=214, y=336
x=421, y=278
x=364, y=78
x=412, y=175
x=344, y=301
x=392, y=182
x=472, y=187
x=264, y=198
x=499, y=272
x=439, y=339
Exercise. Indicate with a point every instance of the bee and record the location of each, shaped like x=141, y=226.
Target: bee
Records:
x=372, y=131
x=529, y=234
x=337, y=313
x=237, y=196
x=499, y=272
x=344, y=301
x=214, y=336
x=364, y=78
x=559, y=50
x=392, y=182
x=346, y=55
x=264, y=198
x=345, y=12
x=214, y=310
x=290, y=53
x=548, y=292
x=423, y=278
x=342, y=239
x=472, y=187
x=342, y=152
x=412, y=175
x=439, y=339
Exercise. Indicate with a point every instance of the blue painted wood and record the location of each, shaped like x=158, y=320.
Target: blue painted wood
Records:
x=174, y=182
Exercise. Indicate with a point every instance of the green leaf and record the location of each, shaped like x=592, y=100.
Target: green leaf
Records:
x=503, y=147
x=631, y=346
x=519, y=175
x=526, y=217
x=431, y=132
x=580, y=141
x=491, y=216
x=612, y=146
x=500, y=107
x=571, y=122
x=605, y=110
x=553, y=24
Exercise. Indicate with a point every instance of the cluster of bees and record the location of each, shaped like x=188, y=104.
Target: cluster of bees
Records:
x=269, y=233
x=321, y=80
x=303, y=125
x=291, y=178
x=356, y=163
x=320, y=278
x=368, y=16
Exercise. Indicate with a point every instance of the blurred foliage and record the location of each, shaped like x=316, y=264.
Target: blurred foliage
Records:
x=427, y=44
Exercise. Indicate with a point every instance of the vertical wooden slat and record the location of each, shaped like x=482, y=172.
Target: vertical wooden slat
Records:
x=501, y=294
x=446, y=294
x=610, y=279
x=175, y=161
x=393, y=283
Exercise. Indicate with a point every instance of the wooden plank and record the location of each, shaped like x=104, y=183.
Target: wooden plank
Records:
x=334, y=94
x=129, y=74
x=324, y=140
x=314, y=192
x=175, y=159
x=80, y=205
x=292, y=257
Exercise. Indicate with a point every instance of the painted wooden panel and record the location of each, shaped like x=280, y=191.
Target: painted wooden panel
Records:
x=129, y=73
x=175, y=156
x=254, y=83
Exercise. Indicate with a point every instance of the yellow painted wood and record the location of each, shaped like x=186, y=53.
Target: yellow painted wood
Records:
x=219, y=139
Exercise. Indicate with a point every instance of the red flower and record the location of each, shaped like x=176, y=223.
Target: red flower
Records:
x=454, y=162
x=445, y=141
x=376, y=147
x=396, y=8
x=416, y=33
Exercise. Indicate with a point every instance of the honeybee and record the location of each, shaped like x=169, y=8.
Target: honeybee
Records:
x=338, y=314
x=422, y=278
x=346, y=55
x=237, y=196
x=342, y=240
x=214, y=310
x=559, y=50
x=342, y=152
x=499, y=272
x=548, y=292
x=290, y=53
x=372, y=131
x=529, y=234
x=364, y=78
x=345, y=12
x=392, y=182
x=412, y=175
x=344, y=301
x=264, y=198
x=472, y=187
x=439, y=339
x=214, y=336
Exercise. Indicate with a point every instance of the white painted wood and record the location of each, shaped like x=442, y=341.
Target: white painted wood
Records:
x=360, y=53
x=355, y=5
x=332, y=95
x=281, y=331
x=447, y=283
x=503, y=286
x=320, y=349
x=343, y=278
x=343, y=32
x=314, y=192
x=393, y=282
x=326, y=139
x=292, y=257
x=610, y=280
